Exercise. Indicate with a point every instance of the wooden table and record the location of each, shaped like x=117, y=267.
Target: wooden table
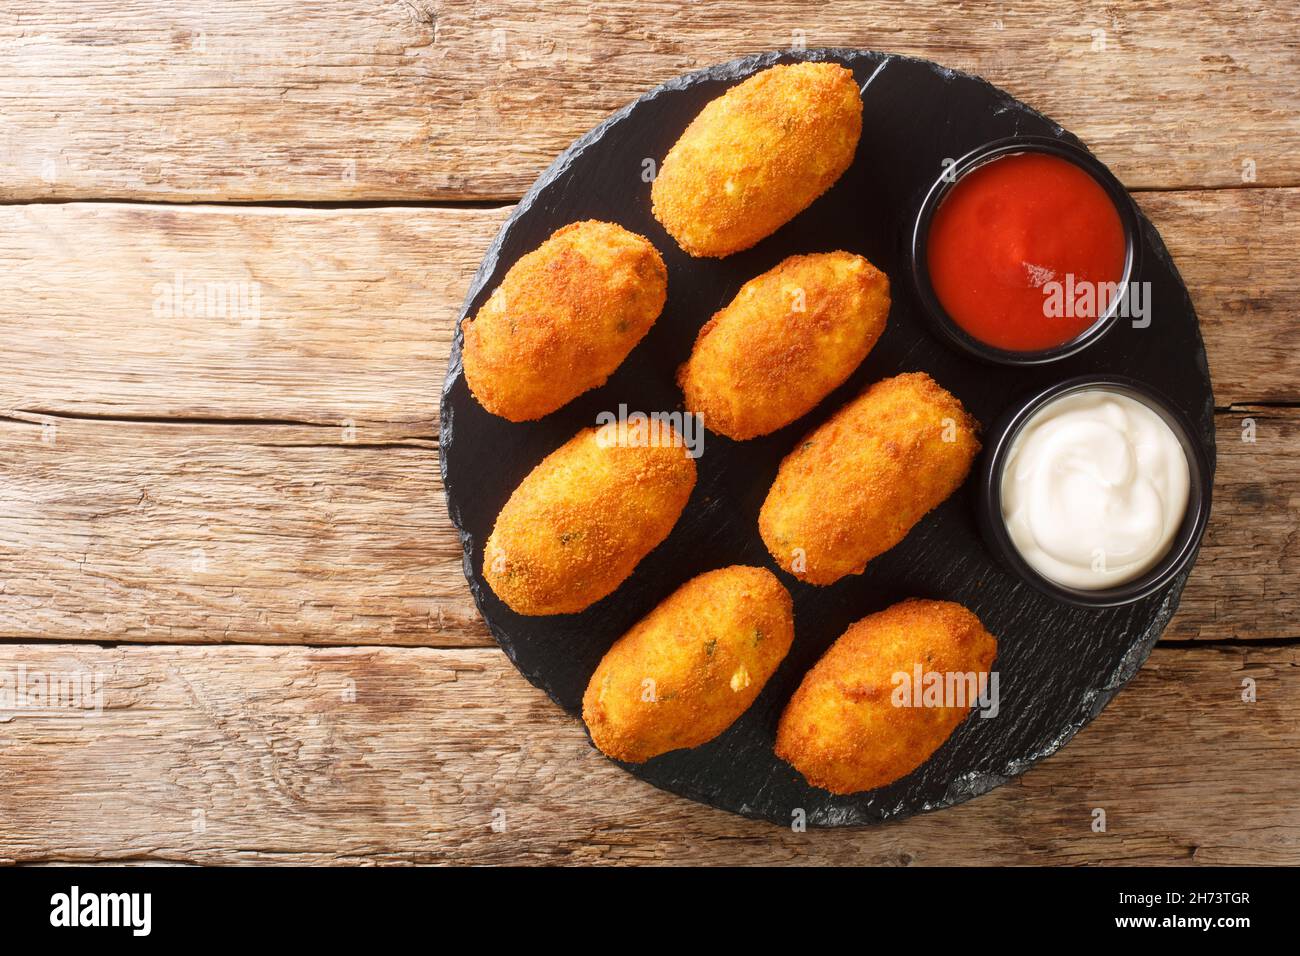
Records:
x=233, y=516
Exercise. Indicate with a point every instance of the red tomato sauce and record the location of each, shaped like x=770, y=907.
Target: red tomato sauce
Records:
x=1015, y=246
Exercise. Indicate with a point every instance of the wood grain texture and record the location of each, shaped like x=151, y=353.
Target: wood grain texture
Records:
x=203, y=477
x=289, y=491
x=1232, y=251
x=423, y=99
x=355, y=307
x=149, y=532
x=336, y=316
x=156, y=532
x=1244, y=582
x=247, y=755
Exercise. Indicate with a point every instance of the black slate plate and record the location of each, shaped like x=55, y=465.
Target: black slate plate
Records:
x=1059, y=666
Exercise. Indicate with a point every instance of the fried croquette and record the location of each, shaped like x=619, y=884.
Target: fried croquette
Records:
x=788, y=338
x=757, y=156
x=563, y=319
x=578, y=524
x=855, y=486
x=692, y=666
x=857, y=721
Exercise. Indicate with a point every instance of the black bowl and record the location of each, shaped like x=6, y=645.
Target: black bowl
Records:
x=1182, y=551
x=939, y=319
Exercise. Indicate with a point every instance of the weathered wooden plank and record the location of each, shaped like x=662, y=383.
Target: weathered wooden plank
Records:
x=1244, y=582
x=293, y=534
x=107, y=519
x=240, y=754
x=1230, y=248
x=334, y=316
x=420, y=99
x=125, y=531
x=323, y=316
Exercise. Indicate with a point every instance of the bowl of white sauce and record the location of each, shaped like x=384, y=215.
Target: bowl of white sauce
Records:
x=1094, y=491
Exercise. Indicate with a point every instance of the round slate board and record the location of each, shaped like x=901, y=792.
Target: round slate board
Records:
x=1058, y=665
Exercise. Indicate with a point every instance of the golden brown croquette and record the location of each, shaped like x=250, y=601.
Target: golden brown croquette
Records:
x=855, y=486
x=757, y=156
x=692, y=666
x=788, y=338
x=563, y=319
x=845, y=730
x=578, y=524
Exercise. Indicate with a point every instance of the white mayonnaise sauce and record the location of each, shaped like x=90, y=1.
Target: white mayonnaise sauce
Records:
x=1094, y=489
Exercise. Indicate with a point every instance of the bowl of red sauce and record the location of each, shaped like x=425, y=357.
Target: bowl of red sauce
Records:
x=1023, y=251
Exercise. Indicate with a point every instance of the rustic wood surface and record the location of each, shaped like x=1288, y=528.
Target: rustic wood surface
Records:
x=132, y=531
x=257, y=754
x=223, y=480
x=449, y=99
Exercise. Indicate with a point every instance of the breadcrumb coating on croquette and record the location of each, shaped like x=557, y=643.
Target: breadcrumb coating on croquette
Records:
x=853, y=488
x=789, y=338
x=842, y=730
x=581, y=521
x=694, y=664
x=757, y=156
x=563, y=319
